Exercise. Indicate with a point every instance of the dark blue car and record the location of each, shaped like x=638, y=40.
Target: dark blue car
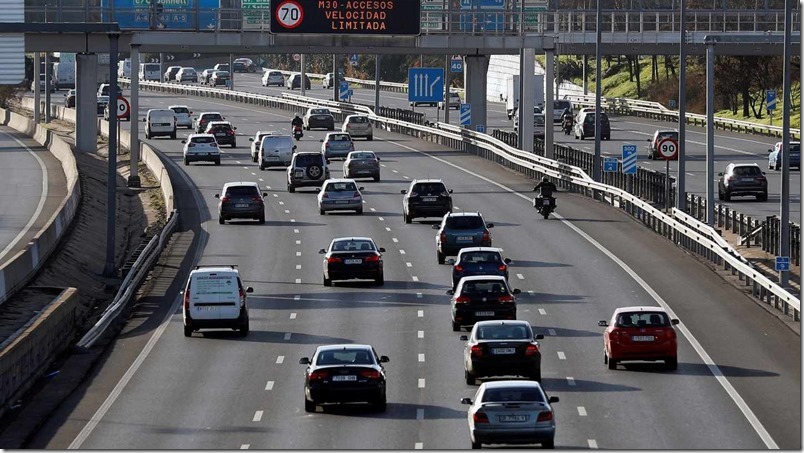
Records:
x=478, y=261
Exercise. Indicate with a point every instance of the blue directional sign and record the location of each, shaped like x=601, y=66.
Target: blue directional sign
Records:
x=481, y=128
x=353, y=59
x=425, y=84
x=629, y=159
x=456, y=65
x=482, y=15
x=783, y=263
x=770, y=99
x=466, y=114
x=343, y=91
x=610, y=164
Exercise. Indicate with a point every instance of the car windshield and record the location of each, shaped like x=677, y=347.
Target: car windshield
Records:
x=319, y=112
x=480, y=257
x=352, y=245
x=429, y=188
x=180, y=109
x=203, y=139
x=643, y=319
x=345, y=357
x=501, y=395
x=339, y=138
x=747, y=171
x=464, y=222
x=358, y=119
x=503, y=332
x=483, y=287
x=223, y=67
x=277, y=142
x=103, y=98
x=242, y=191
x=341, y=187
x=303, y=160
x=561, y=105
x=362, y=156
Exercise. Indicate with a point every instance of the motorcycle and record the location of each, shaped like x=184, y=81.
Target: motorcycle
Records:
x=567, y=127
x=297, y=132
x=544, y=206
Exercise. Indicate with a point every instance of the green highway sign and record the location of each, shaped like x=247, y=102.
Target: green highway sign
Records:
x=256, y=12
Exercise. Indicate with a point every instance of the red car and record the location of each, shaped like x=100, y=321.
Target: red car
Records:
x=640, y=333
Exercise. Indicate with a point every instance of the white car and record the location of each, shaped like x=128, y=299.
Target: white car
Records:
x=201, y=147
x=256, y=140
x=273, y=77
x=329, y=79
x=186, y=75
x=358, y=126
x=215, y=297
x=183, y=116
x=454, y=101
x=340, y=195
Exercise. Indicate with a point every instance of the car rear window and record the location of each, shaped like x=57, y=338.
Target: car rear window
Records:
x=464, y=222
x=513, y=394
x=493, y=287
x=358, y=119
x=747, y=171
x=350, y=245
x=180, y=109
x=151, y=67
x=363, y=156
x=302, y=160
x=503, y=332
x=213, y=288
x=220, y=128
x=275, y=73
x=643, y=319
x=345, y=357
x=341, y=187
x=277, y=142
x=320, y=112
x=590, y=118
x=242, y=191
x=795, y=149
x=211, y=117
x=203, y=139
x=339, y=138
x=480, y=257
x=669, y=134
x=429, y=188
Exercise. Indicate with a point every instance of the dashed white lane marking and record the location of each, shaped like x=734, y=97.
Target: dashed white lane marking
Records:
x=419, y=295
x=267, y=187
x=418, y=446
x=381, y=219
x=542, y=311
x=420, y=314
x=531, y=293
x=387, y=228
x=287, y=211
x=372, y=210
x=280, y=359
x=395, y=239
x=421, y=383
x=245, y=446
x=297, y=297
x=293, y=316
x=298, y=266
x=592, y=443
x=419, y=414
x=406, y=177
x=276, y=196
x=382, y=165
x=561, y=355
x=269, y=385
x=401, y=252
x=298, y=242
x=409, y=264
x=262, y=180
x=571, y=381
x=292, y=220
x=253, y=174
x=552, y=332
x=420, y=334
x=394, y=171
x=421, y=357
x=288, y=335
x=582, y=411
x=298, y=280
x=237, y=162
x=281, y=202
x=295, y=231
x=415, y=278
x=520, y=276
x=298, y=253
x=257, y=416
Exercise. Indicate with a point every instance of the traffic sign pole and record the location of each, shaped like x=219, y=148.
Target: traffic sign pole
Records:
x=446, y=91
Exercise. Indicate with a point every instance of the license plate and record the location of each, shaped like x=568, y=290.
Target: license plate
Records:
x=503, y=351
x=747, y=179
x=220, y=134
x=241, y=205
x=546, y=202
x=429, y=199
x=464, y=238
x=642, y=338
x=513, y=418
x=344, y=378
x=484, y=313
x=272, y=157
x=321, y=117
x=341, y=201
x=352, y=261
x=211, y=308
x=299, y=173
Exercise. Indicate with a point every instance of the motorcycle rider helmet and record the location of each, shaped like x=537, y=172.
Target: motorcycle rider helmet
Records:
x=545, y=179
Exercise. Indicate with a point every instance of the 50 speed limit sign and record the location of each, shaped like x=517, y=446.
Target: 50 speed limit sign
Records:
x=289, y=14
x=668, y=149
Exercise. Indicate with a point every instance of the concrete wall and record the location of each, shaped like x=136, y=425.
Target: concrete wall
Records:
x=16, y=272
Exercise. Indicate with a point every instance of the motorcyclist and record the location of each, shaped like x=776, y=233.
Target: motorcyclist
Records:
x=545, y=188
x=297, y=122
x=567, y=121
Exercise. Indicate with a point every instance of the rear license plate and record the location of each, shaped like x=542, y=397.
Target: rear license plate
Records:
x=503, y=351
x=429, y=199
x=642, y=338
x=211, y=308
x=513, y=418
x=546, y=202
x=321, y=117
x=272, y=157
x=352, y=261
x=484, y=313
x=241, y=205
x=341, y=201
x=220, y=134
x=464, y=238
x=344, y=378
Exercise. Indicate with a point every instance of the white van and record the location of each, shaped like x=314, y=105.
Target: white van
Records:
x=276, y=151
x=150, y=71
x=64, y=74
x=124, y=68
x=215, y=298
x=160, y=122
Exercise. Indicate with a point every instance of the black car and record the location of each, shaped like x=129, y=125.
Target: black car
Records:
x=502, y=348
x=426, y=198
x=482, y=298
x=344, y=373
x=352, y=258
x=478, y=261
x=223, y=131
x=241, y=200
x=742, y=180
x=585, y=127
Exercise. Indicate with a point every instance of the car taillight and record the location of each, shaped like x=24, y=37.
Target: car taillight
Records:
x=481, y=417
x=476, y=351
x=230, y=132
x=762, y=179
x=532, y=349
x=459, y=268
x=333, y=259
x=372, y=258
x=224, y=199
x=443, y=237
x=326, y=145
x=486, y=235
x=256, y=199
x=190, y=145
x=242, y=298
x=318, y=375
x=545, y=416
x=371, y=374
x=502, y=267
x=462, y=300
x=506, y=298
x=187, y=300
x=414, y=194
x=671, y=334
x=614, y=336
x=356, y=195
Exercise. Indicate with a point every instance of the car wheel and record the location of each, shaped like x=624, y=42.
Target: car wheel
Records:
x=370, y=138
x=726, y=196
x=221, y=220
x=476, y=445
x=188, y=331
x=262, y=166
x=470, y=378
x=407, y=218
x=762, y=197
x=536, y=376
x=173, y=135
x=456, y=327
x=380, y=280
x=549, y=444
x=612, y=364
x=234, y=144
x=261, y=220
x=672, y=364
x=381, y=403
x=377, y=178
x=147, y=135
x=217, y=161
x=359, y=211
x=243, y=331
x=441, y=257
x=309, y=406
x=327, y=281
x=254, y=159
x=186, y=162
x=321, y=211
x=291, y=189
x=582, y=136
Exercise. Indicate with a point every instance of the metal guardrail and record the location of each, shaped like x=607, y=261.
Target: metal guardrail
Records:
x=678, y=226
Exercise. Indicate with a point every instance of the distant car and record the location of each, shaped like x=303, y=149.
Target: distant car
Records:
x=239, y=66
x=344, y=373
x=224, y=132
x=160, y=122
x=294, y=81
x=658, y=136
x=358, y=126
x=103, y=90
x=458, y=230
x=511, y=412
x=241, y=200
x=453, y=101
x=245, y=65
x=640, y=333
x=742, y=180
x=170, y=73
x=481, y=298
x=478, y=261
x=340, y=195
x=328, y=81
x=214, y=297
x=362, y=164
x=103, y=101
x=204, y=76
x=221, y=67
x=69, y=99
x=272, y=77
x=42, y=84
x=201, y=147
x=219, y=78
x=308, y=169
x=502, y=348
x=186, y=75
x=585, y=126
x=318, y=118
x=350, y=258
x=559, y=106
x=183, y=116
x=775, y=156
x=200, y=123
x=255, y=142
x=426, y=198
x=337, y=145
x=538, y=122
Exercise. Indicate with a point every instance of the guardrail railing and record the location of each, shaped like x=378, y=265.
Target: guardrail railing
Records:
x=677, y=226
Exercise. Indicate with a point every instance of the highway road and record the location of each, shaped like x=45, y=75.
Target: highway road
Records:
x=738, y=385
x=32, y=185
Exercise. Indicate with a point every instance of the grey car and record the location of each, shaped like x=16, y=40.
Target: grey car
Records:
x=742, y=180
x=340, y=195
x=459, y=230
x=511, y=412
x=337, y=144
x=362, y=164
x=241, y=200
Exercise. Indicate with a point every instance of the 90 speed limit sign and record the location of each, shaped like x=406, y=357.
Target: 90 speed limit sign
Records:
x=123, y=108
x=289, y=14
x=668, y=149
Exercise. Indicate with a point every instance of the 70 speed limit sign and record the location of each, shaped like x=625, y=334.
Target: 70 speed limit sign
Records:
x=289, y=14
x=668, y=149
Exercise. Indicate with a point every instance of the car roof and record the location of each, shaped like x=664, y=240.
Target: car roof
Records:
x=330, y=347
x=209, y=113
x=474, y=278
x=217, y=269
x=240, y=184
x=426, y=180
x=735, y=165
x=361, y=151
x=199, y=135
x=514, y=383
x=339, y=180
x=464, y=214
x=354, y=238
x=502, y=322
x=219, y=123
x=480, y=249
x=639, y=308
x=175, y=106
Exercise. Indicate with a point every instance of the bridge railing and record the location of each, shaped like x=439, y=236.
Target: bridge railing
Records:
x=683, y=229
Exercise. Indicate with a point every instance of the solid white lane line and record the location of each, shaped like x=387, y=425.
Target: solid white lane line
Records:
x=297, y=297
x=420, y=314
x=269, y=385
x=421, y=357
x=420, y=334
x=542, y=311
x=415, y=278
x=257, y=416
x=419, y=414
x=418, y=446
x=520, y=276
x=293, y=316
x=280, y=359
x=582, y=411
x=552, y=332
x=571, y=381
x=421, y=383
x=288, y=335
x=592, y=443
x=561, y=355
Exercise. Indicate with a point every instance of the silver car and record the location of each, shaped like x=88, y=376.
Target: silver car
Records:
x=362, y=164
x=183, y=116
x=337, y=144
x=273, y=77
x=340, y=195
x=358, y=126
x=511, y=412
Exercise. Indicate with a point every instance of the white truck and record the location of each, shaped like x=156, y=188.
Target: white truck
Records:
x=512, y=93
x=124, y=68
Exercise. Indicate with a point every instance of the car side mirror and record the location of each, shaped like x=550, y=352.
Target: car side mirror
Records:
x=265, y=194
x=553, y=399
x=770, y=150
x=322, y=252
x=184, y=141
x=450, y=190
x=435, y=227
x=720, y=174
x=378, y=159
x=539, y=336
x=464, y=338
x=381, y=250
x=384, y=359
x=304, y=361
x=403, y=191
x=763, y=172
x=362, y=188
x=251, y=139
x=234, y=128
x=674, y=321
x=451, y=262
x=489, y=225
x=321, y=141
x=450, y=292
x=466, y=400
x=294, y=147
x=217, y=195
x=249, y=289
x=516, y=291
x=317, y=189
x=602, y=323
x=507, y=261
x=144, y=120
